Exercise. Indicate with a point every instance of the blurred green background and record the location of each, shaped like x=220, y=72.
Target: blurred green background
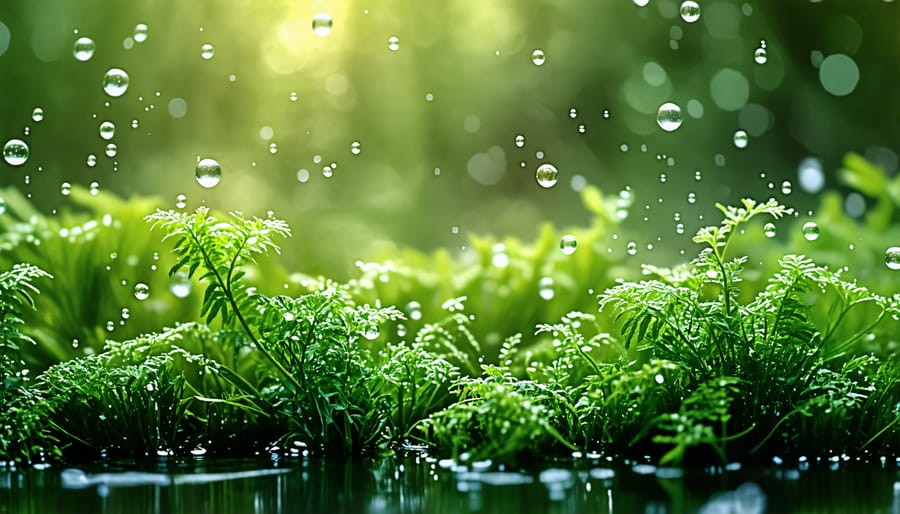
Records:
x=437, y=118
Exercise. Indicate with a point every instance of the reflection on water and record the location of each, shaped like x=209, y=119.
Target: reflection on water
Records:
x=410, y=484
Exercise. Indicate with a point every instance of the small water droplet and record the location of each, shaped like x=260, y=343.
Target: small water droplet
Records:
x=141, y=291
x=631, y=248
x=327, y=172
x=355, y=148
x=393, y=43
x=180, y=285
x=91, y=160
x=810, y=231
x=207, y=51
x=15, y=152
x=769, y=229
x=37, y=114
x=111, y=150
x=273, y=148
x=321, y=24
x=208, y=173
x=414, y=309
x=568, y=244
x=786, y=187
x=94, y=188
x=538, y=57
x=740, y=139
x=573, y=113
x=892, y=260
x=140, y=32
x=181, y=201
x=65, y=188
x=546, y=175
x=115, y=82
x=669, y=116
x=760, y=55
x=293, y=96
x=107, y=130
x=83, y=49
x=520, y=140
x=545, y=288
x=690, y=11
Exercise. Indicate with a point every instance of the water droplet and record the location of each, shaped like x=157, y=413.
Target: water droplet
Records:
x=83, y=49
x=140, y=32
x=111, y=150
x=892, y=257
x=110, y=326
x=91, y=160
x=810, y=231
x=327, y=172
x=760, y=55
x=65, y=188
x=690, y=11
x=107, y=130
x=581, y=128
x=669, y=116
x=545, y=288
x=393, y=43
x=94, y=188
x=15, y=152
x=520, y=140
x=631, y=248
x=208, y=173
x=115, y=82
x=573, y=113
x=567, y=244
x=181, y=201
x=37, y=114
x=273, y=148
x=180, y=285
x=355, y=148
x=293, y=96
x=740, y=139
x=303, y=175
x=141, y=291
x=546, y=175
x=414, y=309
x=538, y=57
x=786, y=187
x=321, y=24
x=2, y=206
x=207, y=51
x=499, y=258
x=769, y=229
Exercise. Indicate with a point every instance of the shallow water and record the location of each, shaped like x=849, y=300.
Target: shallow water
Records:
x=418, y=484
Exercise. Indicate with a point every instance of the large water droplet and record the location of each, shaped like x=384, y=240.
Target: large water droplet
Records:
x=321, y=24
x=180, y=285
x=37, y=114
x=83, y=49
x=208, y=173
x=568, y=244
x=15, y=152
x=669, y=116
x=547, y=175
x=115, y=82
x=207, y=51
x=538, y=57
x=107, y=130
x=393, y=43
x=740, y=139
x=892, y=257
x=141, y=291
x=810, y=231
x=140, y=32
x=690, y=11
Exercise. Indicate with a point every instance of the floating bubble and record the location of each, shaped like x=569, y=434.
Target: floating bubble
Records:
x=810, y=231
x=740, y=139
x=393, y=43
x=545, y=288
x=669, y=116
x=769, y=229
x=690, y=11
x=892, y=257
x=180, y=285
x=355, y=148
x=83, y=49
x=107, y=130
x=567, y=244
x=15, y=152
x=37, y=114
x=181, y=201
x=538, y=57
x=141, y=291
x=140, y=33
x=207, y=51
x=546, y=175
x=760, y=55
x=208, y=173
x=115, y=82
x=520, y=140
x=321, y=24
